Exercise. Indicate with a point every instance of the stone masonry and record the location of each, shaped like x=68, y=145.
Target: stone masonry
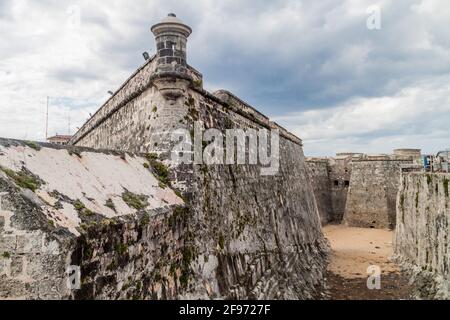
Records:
x=358, y=189
x=421, y=236
x=104, y=212
x=230, y=231
x=372, y=193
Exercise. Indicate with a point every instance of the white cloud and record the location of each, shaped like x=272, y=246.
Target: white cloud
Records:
x=417, y=117
x=342, y=86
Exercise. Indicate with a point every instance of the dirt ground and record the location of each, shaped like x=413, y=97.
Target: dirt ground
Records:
x=354, y=250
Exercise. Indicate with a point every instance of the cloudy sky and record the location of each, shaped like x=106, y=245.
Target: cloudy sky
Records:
x=313, y=66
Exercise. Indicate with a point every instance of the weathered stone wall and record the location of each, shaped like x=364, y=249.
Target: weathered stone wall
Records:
x=339, y=170
x=372, y=193
x=105, y=212
x=422, y=232
x=252, y=236
x=330, y=179
x=320, y=181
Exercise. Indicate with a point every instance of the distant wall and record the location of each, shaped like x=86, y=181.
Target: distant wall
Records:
x=330, y=179
x=339, y=175
x=372, y=193
x=422, y=232
x=318, y=175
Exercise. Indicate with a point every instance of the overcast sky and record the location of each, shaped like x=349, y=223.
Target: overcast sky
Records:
x=312, y=66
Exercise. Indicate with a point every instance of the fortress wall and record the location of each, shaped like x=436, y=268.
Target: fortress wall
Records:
x=266, y=228
x=372, y=193
x=339, y=179
x=69, y=207
x=251, y=236
x=421, y=235
x=320, y=181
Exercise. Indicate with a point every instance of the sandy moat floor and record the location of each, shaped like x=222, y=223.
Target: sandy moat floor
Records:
x=353, y=251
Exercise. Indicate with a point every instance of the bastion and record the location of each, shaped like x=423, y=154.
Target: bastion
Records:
x=373, y=192
x=360, y=190
x=210, y=231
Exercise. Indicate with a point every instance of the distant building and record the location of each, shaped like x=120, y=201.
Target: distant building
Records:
x=59, y=139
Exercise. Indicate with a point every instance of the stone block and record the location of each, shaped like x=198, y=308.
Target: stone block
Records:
x=44, y=265
x=30, y=243
x=11, y=288
x=7, y=243
x=17, y=266
x=51, y=289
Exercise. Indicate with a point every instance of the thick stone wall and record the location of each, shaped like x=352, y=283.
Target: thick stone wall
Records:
x=320, y=181
x=330, y=179
x=372, y=193
x=107, y=213
x=252, y=236
x=422, y=232
x=339, y=174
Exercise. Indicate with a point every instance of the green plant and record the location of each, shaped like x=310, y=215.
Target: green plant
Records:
x=23, y=179
x=417, y=199
x=81, y=208
x=33, y=145
x=121, y=248
x=155, y=109
x=445, y=183
x=135, y=201
x=151, y=156
x=78, y=205
x=179, y=194
x=159, y=169
x=402, y=202
x=110, y=204
x=145, y=220
x=6, y=255
x=198, y=83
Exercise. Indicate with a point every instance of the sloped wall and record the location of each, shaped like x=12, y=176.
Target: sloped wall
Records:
x=422, y=232
x=321, y=184
x=251, y=236
x=104, y=212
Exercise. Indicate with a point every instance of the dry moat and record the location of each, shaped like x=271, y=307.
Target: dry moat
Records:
x=354, y=250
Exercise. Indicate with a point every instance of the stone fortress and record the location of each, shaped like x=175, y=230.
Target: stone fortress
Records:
x=133, y=224
x=112, y=216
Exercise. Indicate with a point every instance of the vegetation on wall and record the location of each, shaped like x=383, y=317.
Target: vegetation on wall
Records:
x=158, y=168
x=23, y=179
x=135, y=201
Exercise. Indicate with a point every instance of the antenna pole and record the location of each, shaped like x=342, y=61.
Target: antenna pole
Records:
x=46, y=121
